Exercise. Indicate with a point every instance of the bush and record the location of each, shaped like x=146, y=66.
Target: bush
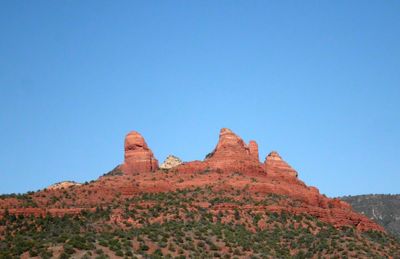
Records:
x=68, y=249
x=158, y=252
x=144, y=247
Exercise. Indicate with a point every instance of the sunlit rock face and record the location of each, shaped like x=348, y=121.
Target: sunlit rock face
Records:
x=232, y=153
x=232, y=166
x=138, y=156
x=170, y=162
x=275, y=164
x=63, y=185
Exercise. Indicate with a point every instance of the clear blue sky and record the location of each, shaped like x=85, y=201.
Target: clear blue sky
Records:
x=318, y=81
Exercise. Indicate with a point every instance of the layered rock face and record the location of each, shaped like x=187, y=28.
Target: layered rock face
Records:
x=232, y=153
x=274, y=164
x=170, y=162
x=232, y=147
x=233, y=165
x=138, y=156
x=253, y=149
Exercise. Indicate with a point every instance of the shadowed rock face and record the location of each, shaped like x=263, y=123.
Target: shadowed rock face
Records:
x=138, y=156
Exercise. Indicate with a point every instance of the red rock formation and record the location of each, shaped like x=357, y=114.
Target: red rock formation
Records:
x=232, y=154
x=253, y=148
x=229, y=147
x=232, y=165
x=138, y=156
x=275, y=164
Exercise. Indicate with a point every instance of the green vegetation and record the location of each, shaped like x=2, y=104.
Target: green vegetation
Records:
x=176, y=225
x=115, y=172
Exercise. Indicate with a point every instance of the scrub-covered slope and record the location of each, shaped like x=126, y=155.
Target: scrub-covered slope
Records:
x=382, y=208
x=229, y=204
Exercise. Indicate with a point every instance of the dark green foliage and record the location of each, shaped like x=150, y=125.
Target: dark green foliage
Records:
x=25, y=198
x=115, y=172
x=189, y=230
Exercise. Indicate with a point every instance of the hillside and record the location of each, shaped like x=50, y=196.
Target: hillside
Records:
x=384, y=209
x=228, y=205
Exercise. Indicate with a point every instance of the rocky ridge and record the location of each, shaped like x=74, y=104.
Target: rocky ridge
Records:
x=232, y=165
x=382, y=208
x=274, y=164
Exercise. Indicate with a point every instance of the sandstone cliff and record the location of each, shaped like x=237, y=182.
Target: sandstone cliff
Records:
x=138, y=156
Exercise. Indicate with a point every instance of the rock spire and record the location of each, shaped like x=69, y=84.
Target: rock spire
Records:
x=138, y=156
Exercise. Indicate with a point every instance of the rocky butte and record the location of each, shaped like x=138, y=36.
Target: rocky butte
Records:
x=232, y=165
x=229, y=204
x=138, y=156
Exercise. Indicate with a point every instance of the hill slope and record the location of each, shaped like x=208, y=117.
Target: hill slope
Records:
x=199, y=222
x=383, y=208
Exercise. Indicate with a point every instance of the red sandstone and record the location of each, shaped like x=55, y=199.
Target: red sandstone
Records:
x=138, y=156
x=232, y=165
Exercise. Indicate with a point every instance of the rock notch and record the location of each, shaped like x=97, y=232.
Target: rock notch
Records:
x=170, y=162
x=138, y=156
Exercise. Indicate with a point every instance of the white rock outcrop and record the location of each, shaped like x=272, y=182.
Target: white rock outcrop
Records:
x=170, y=162
x=65, y=184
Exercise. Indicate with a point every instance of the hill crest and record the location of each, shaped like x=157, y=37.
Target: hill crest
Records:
x=232, y=165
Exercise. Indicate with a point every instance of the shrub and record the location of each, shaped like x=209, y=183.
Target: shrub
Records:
x=144, y=247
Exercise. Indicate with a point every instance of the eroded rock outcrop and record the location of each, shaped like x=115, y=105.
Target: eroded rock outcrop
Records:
x=232, y=153
x=233, y=165
x=276, y=165
x=63, y=185
x=170, y=162
x=229, y=147
x=138, y=156
x=253, y=149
